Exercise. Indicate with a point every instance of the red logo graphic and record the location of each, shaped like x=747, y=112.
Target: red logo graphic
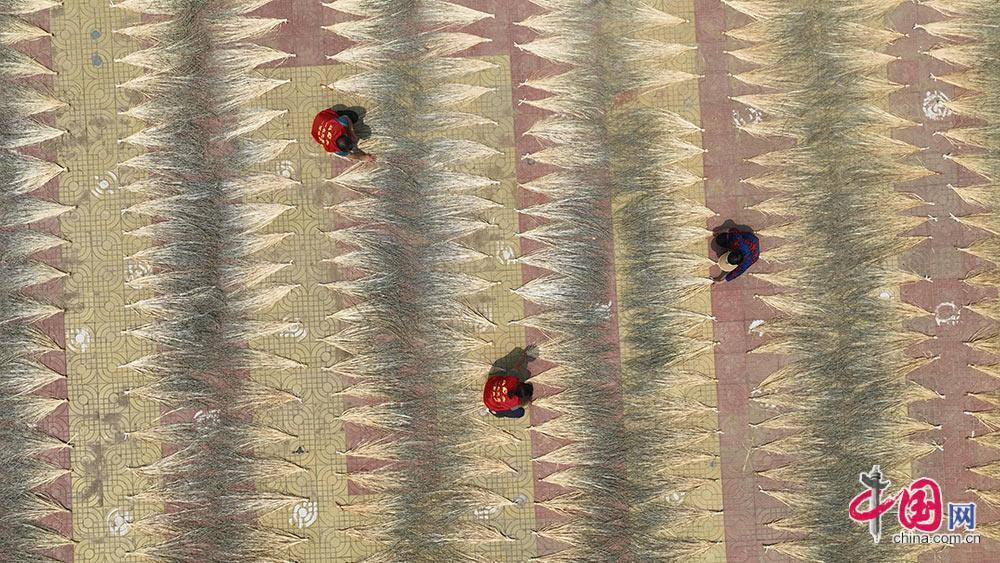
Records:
x=919, y=505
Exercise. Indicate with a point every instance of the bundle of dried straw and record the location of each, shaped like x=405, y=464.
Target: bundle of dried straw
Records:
x=634, y=436
x=22, y=342
x=407, y=330
x=208, y=282
x=840, y=405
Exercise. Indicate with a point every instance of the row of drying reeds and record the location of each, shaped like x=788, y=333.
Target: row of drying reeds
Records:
x=198, y=84
x=22, y=344
x=406, y=329
x=840, y=406
x=671, y=437
x=633, y=434
x=973, y=28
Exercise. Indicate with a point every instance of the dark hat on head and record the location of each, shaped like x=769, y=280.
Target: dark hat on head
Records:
x=345, y=143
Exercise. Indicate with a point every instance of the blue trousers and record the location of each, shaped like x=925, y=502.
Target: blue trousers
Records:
x=512, y=413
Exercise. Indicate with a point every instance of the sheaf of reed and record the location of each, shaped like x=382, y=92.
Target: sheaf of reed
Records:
x=22, y=344
x=198, y=87
x=578, y=252
x=843, y=398
x=407, y=330
x=973, y=28
x=632, y=432
x=667, y=438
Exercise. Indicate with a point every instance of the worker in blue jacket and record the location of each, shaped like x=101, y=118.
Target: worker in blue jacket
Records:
x=741, y=250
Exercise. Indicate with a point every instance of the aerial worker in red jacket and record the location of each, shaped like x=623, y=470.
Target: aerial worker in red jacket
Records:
x=505, y=396
x=740, y=251
x=335, y=131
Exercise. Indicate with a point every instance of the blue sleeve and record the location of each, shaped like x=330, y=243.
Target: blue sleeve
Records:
x=341, y=153
x=748, y=260
x=753, y=240
x=345, y=121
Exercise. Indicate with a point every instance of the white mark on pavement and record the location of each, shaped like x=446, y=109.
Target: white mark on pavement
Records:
x=947, y=314
x=935, y=107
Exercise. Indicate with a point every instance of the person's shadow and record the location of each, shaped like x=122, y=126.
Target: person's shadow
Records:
x=357, y=116
x=516, y=363
x=724, y=228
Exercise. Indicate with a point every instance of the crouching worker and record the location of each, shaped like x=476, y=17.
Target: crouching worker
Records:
x=505, y=396
x=335, y=131
x=739, y=252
